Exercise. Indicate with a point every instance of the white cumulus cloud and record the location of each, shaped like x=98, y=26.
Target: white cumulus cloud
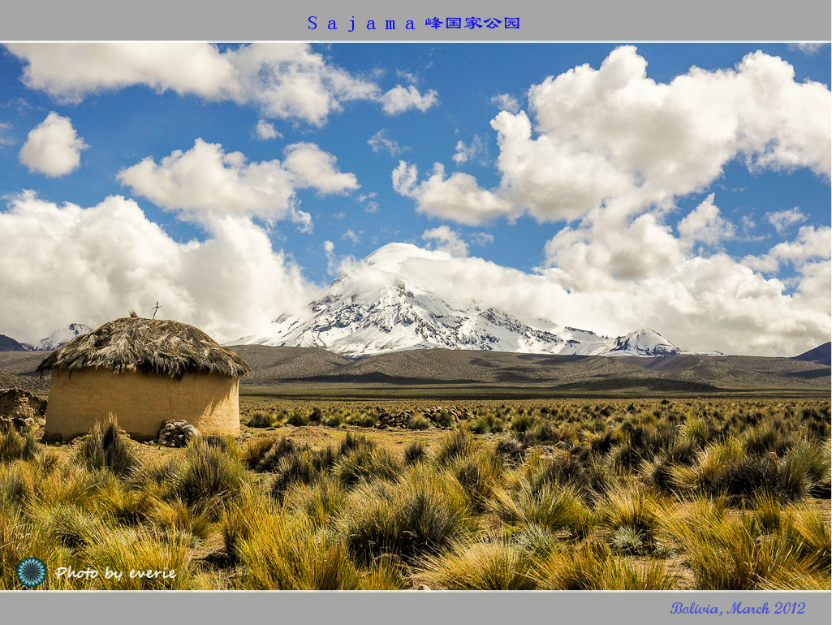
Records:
x=782, y=220
x=614, y=139
x=206, y=181
x=265, y=131
x=400, y=99
x=311, y=167
x=465, y=153
x=53, y=147
x=506, y=102
x=705, y=224
x=811, y=244
x=5, y=139
x=446, y=240
x=380, y=141
x=283, y=80
x=457, y=197
x=100, y=262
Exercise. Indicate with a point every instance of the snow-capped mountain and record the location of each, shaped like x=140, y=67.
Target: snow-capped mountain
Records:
x=376, y=308
x=61, y=337
x=642, y=343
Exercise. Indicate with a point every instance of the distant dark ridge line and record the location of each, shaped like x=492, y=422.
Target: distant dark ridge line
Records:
x=653, y=384
x=368, y=378
x=808, y=375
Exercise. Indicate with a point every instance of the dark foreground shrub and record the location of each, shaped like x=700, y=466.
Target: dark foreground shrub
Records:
x=262, y=419
x=107, y=448
x=747, y=477
x=414, y=453
x=510, y=449
x=303, y=467
x=298, y=419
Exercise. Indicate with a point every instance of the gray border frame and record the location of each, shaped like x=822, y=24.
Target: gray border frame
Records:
x=246, y=20
x=540, y=20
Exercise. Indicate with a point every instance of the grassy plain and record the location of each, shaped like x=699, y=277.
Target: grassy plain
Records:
x=373, y=491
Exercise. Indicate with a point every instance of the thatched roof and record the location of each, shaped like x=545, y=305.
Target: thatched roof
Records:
x=166, y=348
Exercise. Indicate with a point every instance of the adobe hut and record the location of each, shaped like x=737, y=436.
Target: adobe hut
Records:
x=143, y=372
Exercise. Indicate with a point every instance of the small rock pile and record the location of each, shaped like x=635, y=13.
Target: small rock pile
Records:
x=176, y=433
x=434, y=413
x=394, y=420
x=18, y=409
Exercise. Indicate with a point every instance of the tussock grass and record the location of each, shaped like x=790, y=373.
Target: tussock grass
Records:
x=69, y=525
x=177, y=517
x=301, y=466
x=813, y=533
x=19, y=539
x=510, y=449
x=16, y=446
x=478, y=475
x=592, y=566
x=207, y=474
x=558, y=469
x=767, y=512
x=536, y=540
x=423, y=512
x=160, y=473
x=124, y=504
x=68, y=483
x=633, y=508
x=418, y=422
x=287, y=552
x=549, y=506
x=455, y=445
x=261, y=419
x=106, y=448
x=298, y=419
x=805, y=468
x=320, y=502
x=729, y=552
x=707, y=467
x=486, y=424
x=479, y=566
x=414, y=453
x=366, y=464
x=628, y=540
x=236, y=518
x=17, y=483
x=580, y=494
x=139, y=549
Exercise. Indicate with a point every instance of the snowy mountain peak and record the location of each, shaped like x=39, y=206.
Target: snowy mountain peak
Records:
x=61, y=337
x=377, y=307
x=643, y=342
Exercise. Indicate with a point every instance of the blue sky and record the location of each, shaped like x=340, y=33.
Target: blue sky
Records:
x=353, y=114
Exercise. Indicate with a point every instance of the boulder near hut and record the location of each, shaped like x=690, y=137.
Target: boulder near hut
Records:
x=143, y=372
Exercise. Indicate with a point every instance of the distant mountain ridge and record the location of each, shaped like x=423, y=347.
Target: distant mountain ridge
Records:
x=468, y=370
x=8, y=344
x=397, y=314
x=822, y=354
